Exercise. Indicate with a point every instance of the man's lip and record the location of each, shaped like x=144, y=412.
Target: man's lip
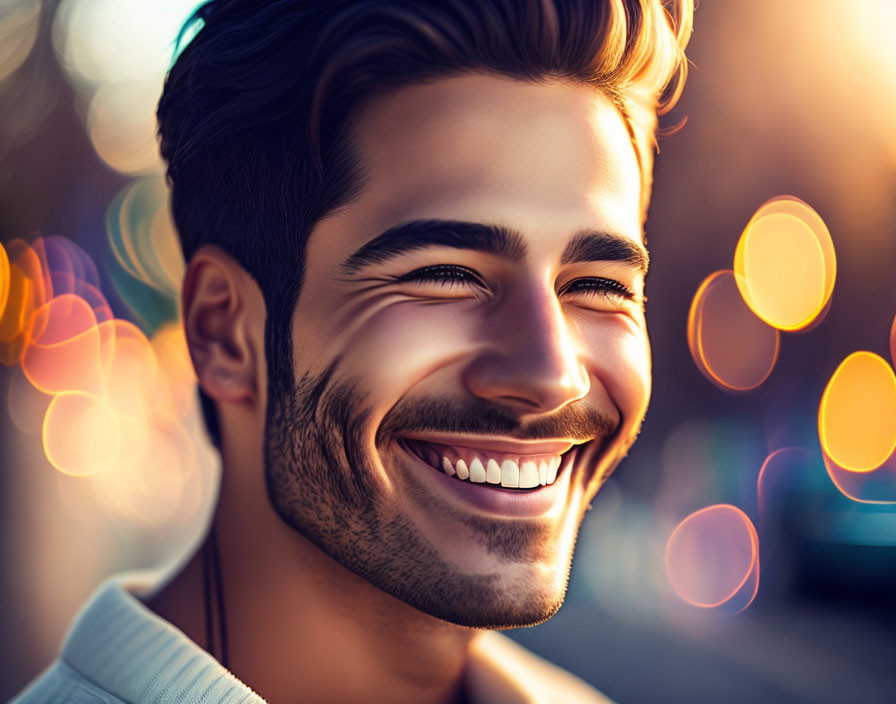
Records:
x=495, y=500
x=495, y=443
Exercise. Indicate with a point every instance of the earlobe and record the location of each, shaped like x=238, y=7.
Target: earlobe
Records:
x=223, y=385
x=217, y=326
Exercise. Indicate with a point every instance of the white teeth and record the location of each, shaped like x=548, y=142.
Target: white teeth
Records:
x=510, y=474
x=553, y=466
x=528, y=475
x=492, y=472
x=447, y=466
x=477, y=468
x=479, y=475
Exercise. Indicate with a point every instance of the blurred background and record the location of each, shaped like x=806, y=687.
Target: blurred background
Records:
x=782, y=590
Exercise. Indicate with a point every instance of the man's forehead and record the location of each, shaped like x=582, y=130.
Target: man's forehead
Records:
x=545, y=159
x=485, y=130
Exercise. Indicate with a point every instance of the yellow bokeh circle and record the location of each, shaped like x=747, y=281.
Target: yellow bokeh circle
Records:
x=785, y=264
x=857, y=415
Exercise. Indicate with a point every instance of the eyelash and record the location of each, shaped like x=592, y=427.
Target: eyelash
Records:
x=450, y=275
x=601, y=285
x=445, y=274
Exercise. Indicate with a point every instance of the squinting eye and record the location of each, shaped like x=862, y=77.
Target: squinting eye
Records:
x=443, y=275
x=608, y=289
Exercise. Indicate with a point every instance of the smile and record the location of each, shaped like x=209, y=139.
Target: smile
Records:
x=517, y=497
x=521, y=467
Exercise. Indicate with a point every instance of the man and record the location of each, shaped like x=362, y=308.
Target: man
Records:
x=414, y=306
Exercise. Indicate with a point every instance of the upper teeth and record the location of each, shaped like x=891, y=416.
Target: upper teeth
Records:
x=523, y=474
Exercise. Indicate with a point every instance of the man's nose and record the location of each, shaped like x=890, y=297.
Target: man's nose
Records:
x=529, y=360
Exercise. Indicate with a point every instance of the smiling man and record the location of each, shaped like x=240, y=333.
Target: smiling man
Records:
x=414, y=303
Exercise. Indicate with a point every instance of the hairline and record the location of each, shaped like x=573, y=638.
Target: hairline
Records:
x=359, y=174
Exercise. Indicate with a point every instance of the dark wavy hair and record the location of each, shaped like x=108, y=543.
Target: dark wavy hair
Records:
x=255, y=119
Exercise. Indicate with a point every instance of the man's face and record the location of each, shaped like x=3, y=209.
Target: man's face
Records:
x=470, y=348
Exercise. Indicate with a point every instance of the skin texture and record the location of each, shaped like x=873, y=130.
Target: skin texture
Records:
x=337, y=542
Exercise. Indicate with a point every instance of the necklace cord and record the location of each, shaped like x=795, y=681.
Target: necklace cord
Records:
x=219, y=597
x=207, y=590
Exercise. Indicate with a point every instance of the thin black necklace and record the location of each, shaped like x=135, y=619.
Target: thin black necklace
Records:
x=211, y=579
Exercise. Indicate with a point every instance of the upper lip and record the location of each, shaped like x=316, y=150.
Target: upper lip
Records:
x=494, y=443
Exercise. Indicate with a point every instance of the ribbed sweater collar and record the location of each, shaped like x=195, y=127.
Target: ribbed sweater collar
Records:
x=121, y=646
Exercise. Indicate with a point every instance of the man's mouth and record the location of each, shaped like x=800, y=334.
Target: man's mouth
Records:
x=504, y=467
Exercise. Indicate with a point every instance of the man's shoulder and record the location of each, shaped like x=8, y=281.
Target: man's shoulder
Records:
x=502, y=671
x=60, y=683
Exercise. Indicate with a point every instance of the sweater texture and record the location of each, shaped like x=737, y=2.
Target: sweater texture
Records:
x=118, y=651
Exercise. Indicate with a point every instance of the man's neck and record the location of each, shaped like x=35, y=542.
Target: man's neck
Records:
x=301, y=627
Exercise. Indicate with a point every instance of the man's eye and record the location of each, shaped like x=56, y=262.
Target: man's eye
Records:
x=444, y=275
x=596, y=286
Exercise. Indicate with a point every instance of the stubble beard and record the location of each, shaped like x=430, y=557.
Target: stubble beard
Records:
x=320, y=480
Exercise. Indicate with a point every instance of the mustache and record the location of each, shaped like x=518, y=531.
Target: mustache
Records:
x=576, y=422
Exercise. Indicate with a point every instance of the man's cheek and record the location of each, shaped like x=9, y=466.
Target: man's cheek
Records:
x=619, y=359
x=405, y=344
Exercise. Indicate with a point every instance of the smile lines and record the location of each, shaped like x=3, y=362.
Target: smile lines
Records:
x=488, y=467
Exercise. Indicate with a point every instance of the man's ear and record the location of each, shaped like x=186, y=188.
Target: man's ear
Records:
x=217, y=308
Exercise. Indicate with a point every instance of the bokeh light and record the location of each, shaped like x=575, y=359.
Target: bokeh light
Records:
x=785, y=265
x=875, y=487
x=893, y=342
x=731, y=346
x=118, y=41
x=4, y=278
x=19, y=22
x=67, y=265
x=782, y=471
x=857, y=415
x=132, y=375
x=116, y=411
x=63, y=354
x=148, y=264
x=169, y=343
x=26, y=404
x=116, y=53
x=29, y=289
x=712, y=558
x=121, y=124
x=81, y=434
x=154, y=476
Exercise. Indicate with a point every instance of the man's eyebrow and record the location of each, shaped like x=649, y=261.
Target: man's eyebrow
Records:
x=418, y=234
x=595, y=246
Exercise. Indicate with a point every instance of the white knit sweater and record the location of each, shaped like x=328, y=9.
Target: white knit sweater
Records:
x=119, y=651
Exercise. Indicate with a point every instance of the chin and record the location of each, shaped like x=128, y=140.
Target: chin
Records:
x=508, y=594
x=498, y=609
